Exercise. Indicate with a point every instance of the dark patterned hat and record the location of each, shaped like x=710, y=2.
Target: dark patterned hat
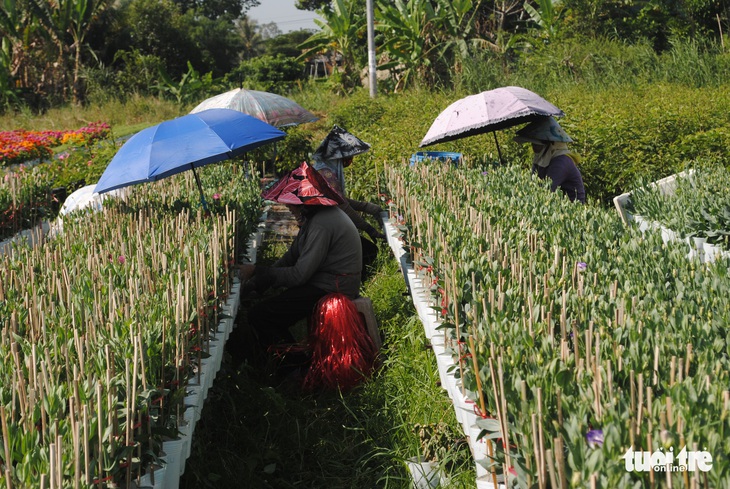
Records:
x=340, y=144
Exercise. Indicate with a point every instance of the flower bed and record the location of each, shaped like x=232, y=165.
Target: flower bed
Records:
x=107, y=326
x=573, y=338
x=19, y=146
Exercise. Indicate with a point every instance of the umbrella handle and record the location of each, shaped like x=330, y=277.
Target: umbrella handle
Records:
x=499, y=152
x=200, y=188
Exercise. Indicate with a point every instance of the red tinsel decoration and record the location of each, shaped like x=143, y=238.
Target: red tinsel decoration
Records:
x=343, y=353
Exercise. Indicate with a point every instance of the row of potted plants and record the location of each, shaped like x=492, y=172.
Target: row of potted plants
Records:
x=575, y=339
x=692, y=206
x=109, y=325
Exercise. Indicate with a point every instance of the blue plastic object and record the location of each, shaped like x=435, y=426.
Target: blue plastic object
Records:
x=436, y=155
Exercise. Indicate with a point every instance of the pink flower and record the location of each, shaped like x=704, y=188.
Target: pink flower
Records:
x=216, y=196
x=121, y=259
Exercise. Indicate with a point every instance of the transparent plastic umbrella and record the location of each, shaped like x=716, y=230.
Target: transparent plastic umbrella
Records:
x=269, y=107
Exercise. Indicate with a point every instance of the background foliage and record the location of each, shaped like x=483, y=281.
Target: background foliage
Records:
x=59, y=51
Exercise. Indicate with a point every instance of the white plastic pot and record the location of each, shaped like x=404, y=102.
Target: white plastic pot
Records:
x=425, y=475
x=173, y=459
x=146, y=480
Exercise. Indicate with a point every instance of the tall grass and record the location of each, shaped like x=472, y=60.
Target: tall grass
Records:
x=134, y=111
x=595, y=64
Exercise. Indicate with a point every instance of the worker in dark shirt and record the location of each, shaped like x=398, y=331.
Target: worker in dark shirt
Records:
x=552, y=158
x=325, y=258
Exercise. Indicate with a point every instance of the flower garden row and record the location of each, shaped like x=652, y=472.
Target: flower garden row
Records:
x=104, y=325
x=583, y=339
x=20, y=146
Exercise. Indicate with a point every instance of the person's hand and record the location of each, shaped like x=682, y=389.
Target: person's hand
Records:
x=248, y=287
x=245, y=271
x=374, y=210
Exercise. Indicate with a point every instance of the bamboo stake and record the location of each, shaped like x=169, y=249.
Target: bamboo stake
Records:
x=503, y=411
x=540, y=432
x=480, y=390
x=560, y=459
x=87, y=455
x=537, y=452
x=640, y=404
x=6, y=446
x=551, y=468
x=650, y=448
x=74, y=408
x=597, y=382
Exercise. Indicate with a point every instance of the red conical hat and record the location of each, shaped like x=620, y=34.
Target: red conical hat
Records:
x=303, y=186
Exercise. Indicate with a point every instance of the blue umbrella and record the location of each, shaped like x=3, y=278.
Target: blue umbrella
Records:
x=185, y=143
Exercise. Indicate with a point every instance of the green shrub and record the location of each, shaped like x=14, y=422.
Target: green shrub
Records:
x=267, y=73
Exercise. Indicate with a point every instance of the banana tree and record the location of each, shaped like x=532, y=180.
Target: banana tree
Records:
x=410, y=38
x=339, y=34
x=546, y=16
x=16, y=27
x=69, y=20
x=458, y=27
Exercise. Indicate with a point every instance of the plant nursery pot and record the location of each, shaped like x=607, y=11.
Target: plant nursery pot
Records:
x=468, y=418
x=486, y=482
x=444, y=374
x=174, y=457
x=146, y=480
x=425, y=475
x=712, y=252
x=188, y=428
x=216, y=355
x=202, y=378
x=194, y=399
x=478, y=449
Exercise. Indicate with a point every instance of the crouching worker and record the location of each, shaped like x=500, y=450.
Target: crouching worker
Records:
x=323, y=263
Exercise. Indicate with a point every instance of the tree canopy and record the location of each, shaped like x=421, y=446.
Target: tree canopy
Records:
x=55, y=51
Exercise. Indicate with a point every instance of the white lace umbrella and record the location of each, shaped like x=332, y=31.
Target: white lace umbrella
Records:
x=488, y=111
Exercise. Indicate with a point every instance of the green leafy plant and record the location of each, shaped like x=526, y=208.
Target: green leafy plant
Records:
x=189, y=88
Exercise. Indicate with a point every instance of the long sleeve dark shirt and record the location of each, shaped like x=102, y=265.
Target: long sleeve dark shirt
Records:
x=564, y=175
